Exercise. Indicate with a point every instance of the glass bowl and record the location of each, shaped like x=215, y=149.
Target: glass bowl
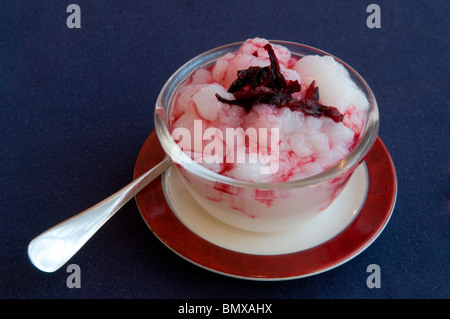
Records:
x=254, y=206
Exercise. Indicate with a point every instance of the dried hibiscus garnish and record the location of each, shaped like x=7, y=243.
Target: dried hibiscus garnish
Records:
x=268, y=85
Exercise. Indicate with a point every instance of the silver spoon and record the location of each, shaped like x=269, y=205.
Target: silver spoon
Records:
x=53, y=248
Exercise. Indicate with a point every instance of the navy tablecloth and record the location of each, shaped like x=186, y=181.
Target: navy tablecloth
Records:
x=77, y=105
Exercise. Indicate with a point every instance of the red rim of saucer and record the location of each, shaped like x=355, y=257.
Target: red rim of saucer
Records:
x=366, y=227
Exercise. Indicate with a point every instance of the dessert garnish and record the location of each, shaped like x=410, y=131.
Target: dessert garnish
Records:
x=268, y=85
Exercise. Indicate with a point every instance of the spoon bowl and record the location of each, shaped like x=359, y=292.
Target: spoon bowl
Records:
x=52, y=249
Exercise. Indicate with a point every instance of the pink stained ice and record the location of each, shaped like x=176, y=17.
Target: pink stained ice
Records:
x=306, y=145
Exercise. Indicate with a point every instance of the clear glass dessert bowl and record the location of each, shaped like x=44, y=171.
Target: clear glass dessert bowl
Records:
x=256, y=206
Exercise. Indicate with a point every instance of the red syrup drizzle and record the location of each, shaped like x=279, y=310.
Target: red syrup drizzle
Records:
x=268, y=85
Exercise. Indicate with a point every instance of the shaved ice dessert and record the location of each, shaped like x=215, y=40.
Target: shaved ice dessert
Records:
x=309, y=142
x=260, y=118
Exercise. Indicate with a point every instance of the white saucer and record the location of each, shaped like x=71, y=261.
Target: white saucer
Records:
x=328, y=223
x=341, y=232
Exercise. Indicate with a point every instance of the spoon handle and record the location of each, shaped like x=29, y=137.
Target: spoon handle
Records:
x=53, y=248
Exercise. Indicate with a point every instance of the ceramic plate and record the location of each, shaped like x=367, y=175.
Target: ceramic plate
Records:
x=338, y=234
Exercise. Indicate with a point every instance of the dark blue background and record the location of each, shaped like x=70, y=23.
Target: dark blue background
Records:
x=77, y=105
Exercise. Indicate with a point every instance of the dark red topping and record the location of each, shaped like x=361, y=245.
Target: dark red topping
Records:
x=268, y=85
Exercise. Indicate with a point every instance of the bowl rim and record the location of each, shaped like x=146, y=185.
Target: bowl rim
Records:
x=355, y=157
